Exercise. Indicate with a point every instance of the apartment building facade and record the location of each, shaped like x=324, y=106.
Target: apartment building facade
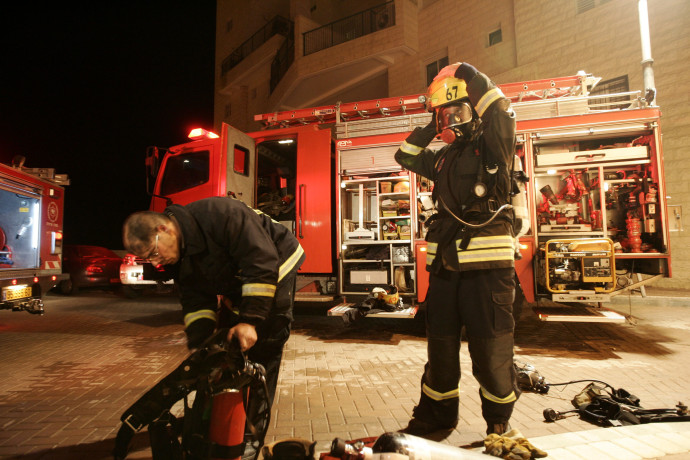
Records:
x=276, y=55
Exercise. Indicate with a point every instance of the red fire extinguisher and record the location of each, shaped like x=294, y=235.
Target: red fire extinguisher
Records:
x=228, y=418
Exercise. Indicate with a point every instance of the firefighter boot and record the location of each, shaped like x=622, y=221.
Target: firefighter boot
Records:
x=427, y=430
x=497, y=428
x=437, y=412
x=492, y=358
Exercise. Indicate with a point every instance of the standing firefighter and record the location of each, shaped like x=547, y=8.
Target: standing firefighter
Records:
x=470, y=254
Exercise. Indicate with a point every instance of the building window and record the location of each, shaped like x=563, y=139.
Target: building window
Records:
x=495, y=37
x=612, y=86
x=434, y=68
x=228, y=110
x=253, y=93
x=228, y=26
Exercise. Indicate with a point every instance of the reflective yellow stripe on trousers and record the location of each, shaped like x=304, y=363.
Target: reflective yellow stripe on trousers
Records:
x=436, y=396
x=258, y=289
x=508, y=399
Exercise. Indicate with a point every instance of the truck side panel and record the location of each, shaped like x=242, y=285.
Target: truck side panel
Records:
x=314, y=202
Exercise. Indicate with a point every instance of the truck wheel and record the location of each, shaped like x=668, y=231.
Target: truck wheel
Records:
x=130, y=292
x=68, y=287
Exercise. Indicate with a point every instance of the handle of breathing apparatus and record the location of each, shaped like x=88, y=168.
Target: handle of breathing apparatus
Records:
x=505, y=207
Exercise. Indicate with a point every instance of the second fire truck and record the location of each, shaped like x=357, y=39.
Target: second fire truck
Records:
x=31, y=216
x=596, y=192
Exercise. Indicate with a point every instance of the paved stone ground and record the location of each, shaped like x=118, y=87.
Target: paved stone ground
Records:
x=65, y=378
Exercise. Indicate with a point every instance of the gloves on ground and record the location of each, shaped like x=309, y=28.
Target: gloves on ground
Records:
x=511, y=446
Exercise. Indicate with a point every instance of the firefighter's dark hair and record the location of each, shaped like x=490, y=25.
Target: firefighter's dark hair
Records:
x=139, y=230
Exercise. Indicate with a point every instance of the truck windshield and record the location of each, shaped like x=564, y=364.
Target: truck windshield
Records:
x=185, y=171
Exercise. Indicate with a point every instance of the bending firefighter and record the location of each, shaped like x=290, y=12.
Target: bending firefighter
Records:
x=221, y=247
x=470, y=252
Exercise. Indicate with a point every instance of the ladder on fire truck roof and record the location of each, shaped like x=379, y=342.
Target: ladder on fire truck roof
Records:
x=575, y=85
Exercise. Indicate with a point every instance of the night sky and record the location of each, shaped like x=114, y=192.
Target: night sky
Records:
x=85, y=90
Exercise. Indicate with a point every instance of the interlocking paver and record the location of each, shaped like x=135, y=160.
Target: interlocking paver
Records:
x=71, y=373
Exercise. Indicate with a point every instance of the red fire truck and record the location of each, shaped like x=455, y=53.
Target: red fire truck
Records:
x=596, y=194
x=31, y=214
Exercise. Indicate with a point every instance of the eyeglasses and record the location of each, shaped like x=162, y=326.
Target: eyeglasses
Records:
x=155, y=250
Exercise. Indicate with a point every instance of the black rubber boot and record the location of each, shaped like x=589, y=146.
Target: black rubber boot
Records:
x=497, y=428
x=427, y=430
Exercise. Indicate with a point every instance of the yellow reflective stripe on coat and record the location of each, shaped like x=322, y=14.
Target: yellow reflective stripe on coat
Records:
x=258, y=289
x=411, y=149
x=508, y=399
x=189, y=318
x=436, y=396
x=482, y=242
x=431, y=249
x=487, y=249
x=290, y=263
x=487, y=99
x=486, y=255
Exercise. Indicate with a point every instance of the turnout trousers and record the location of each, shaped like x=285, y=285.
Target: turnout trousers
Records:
x=273, y=333
x=481, y=302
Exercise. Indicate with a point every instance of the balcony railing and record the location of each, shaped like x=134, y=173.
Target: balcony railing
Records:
x=277, y=26
x=284, y=58
x=349, y=28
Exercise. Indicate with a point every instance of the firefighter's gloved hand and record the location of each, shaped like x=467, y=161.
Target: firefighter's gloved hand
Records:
x=465, y=72
x=511, y=446
x=448, y=71
x=431, y=127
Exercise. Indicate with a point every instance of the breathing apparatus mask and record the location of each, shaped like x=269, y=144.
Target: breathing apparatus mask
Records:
x=448, y=98
x=454, y=121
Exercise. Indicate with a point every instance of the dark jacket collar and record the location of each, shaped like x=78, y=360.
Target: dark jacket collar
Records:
x=193, y=239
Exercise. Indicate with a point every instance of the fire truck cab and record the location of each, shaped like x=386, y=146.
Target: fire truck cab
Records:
x=596, y=194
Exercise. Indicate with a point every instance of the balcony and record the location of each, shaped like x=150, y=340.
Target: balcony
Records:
x=277, y=26
x=346, y=60
x=349, y=28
